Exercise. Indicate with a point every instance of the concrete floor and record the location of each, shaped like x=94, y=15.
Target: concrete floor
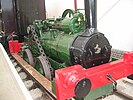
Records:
x=11, y=86
x=124, y=85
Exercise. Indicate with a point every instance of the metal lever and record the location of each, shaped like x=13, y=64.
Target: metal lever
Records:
x=110, y=78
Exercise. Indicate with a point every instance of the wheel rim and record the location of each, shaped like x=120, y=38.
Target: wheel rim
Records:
x=28, y=57
x=42, y=67
x=25, y=57
x=38, y=67
x=68, y=12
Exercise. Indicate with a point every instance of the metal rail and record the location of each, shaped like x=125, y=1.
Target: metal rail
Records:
x=123, y=95
x=127, y=82
x=44, y=83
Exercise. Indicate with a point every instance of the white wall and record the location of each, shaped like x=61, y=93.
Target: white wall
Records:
x=115, y=19
x=55, y=8
x=117, y=24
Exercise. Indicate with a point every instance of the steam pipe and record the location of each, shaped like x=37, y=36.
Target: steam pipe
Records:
x=91, y=13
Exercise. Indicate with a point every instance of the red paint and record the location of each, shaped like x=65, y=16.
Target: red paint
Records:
x=11, y=35
x=75, y=4
x=67, y=78
x=14, y=46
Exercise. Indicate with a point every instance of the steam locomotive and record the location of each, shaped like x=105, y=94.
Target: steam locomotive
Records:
x=65, y=41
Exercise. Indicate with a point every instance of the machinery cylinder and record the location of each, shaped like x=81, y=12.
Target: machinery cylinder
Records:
x=86, y=50
x=58, y=46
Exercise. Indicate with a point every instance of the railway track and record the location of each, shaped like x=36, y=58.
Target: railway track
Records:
x=124, y=91
x=39, y=87
x=124, y=85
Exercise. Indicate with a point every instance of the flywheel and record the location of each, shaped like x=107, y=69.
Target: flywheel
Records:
x=68, y=12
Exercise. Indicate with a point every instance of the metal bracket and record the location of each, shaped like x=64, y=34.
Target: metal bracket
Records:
x=110, y=78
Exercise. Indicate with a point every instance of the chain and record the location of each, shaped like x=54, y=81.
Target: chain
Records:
x=32, y=29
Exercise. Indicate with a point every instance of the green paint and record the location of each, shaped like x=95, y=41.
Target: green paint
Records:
x=104, y=90
x=93, y=94
x=53, y=87
x=57, y=35
x=56, y=65
x=39, y=68
x=58, y=48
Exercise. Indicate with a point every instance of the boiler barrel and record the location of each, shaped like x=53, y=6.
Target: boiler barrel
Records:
x=57, y=46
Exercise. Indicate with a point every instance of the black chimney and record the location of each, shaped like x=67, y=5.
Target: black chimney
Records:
x=91, y=14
